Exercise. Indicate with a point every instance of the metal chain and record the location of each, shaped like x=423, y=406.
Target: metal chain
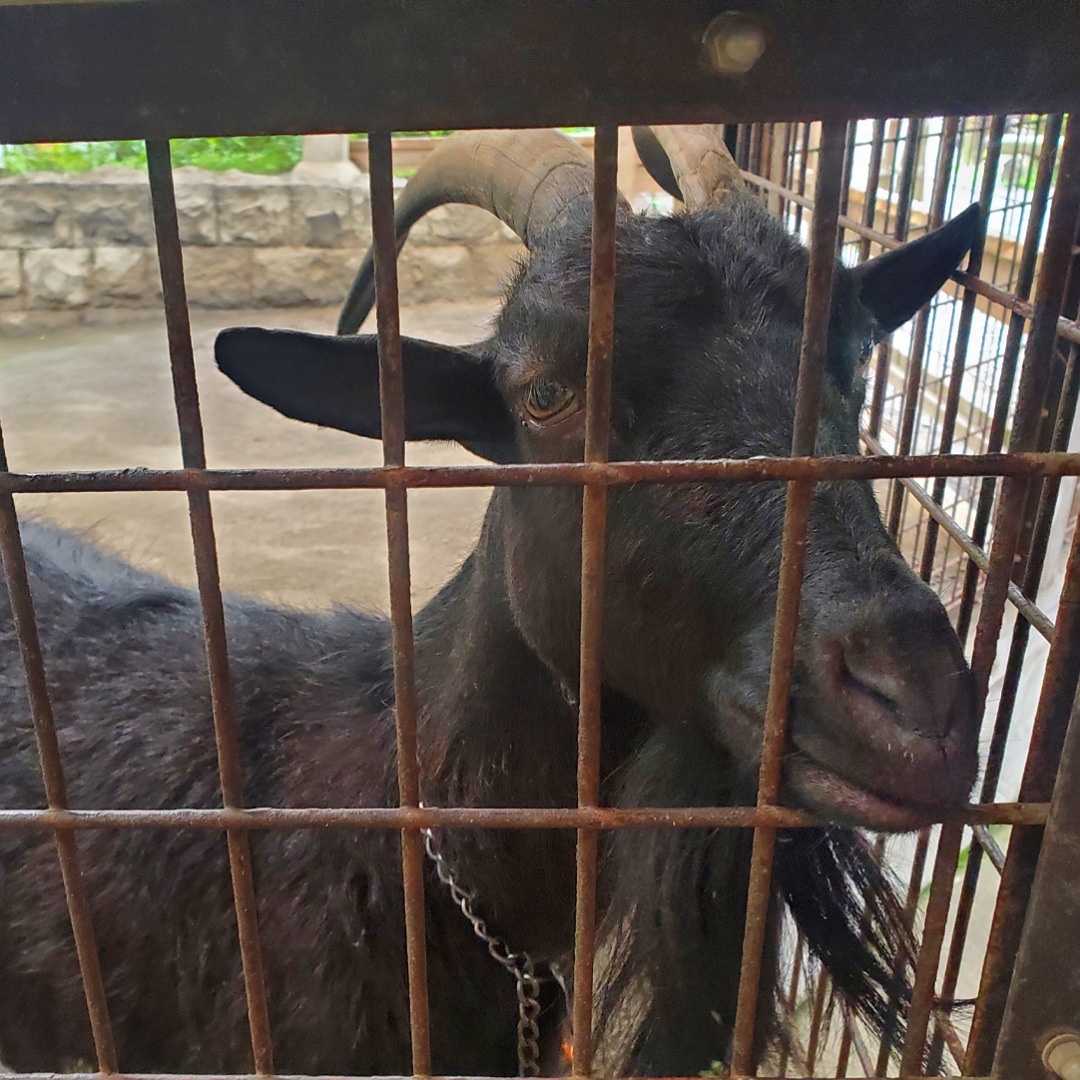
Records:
x=519, y=964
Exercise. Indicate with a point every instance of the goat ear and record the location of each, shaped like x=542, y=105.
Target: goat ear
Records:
x=450, y=393
x=895, y=285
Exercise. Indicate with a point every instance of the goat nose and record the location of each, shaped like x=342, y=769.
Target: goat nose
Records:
x=908, y=675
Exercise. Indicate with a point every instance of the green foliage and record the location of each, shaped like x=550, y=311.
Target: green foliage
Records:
x=253, y=154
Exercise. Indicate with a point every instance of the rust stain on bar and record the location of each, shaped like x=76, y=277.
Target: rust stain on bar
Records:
x=913, y=379
x=189, y=419
x=1051, y=717
x=1007, y=377
x=963, y=338
x=1031, y=396
x=52, y=771
x=1050, y=435
x=392, y=414
x=840, y=467
x=328, y=1076
x=937, y=915
x=811, y=367
x=593, y=529
x=485, y=817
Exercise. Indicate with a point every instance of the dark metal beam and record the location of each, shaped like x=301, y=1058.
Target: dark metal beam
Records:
x=161, y=68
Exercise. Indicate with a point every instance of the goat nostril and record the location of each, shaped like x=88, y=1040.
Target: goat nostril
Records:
x=878, y=686
x=920, y=697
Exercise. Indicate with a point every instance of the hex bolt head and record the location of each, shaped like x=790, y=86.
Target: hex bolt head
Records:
x=1061, y=1055
x=733, y=42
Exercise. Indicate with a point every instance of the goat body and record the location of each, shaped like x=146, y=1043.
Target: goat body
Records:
x=707, y=335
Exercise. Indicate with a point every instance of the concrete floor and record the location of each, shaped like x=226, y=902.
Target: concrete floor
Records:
x=100, y=397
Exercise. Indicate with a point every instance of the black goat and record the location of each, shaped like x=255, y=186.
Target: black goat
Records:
x=708, y=326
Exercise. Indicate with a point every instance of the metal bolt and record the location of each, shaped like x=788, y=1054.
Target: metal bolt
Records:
x=1061, y=1055
x=734, y=42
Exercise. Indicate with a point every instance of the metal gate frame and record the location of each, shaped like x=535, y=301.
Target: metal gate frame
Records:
x=218, y=67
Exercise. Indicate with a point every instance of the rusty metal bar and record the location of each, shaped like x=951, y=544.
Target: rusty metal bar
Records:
x=814, y=1043
x=52, y=774
x=226, y=736
x=913, y=381
x=937, y=914
x=242, y=1076
x=482, y=817
x=963, y=335
x=392, y=428
x=996, y=439
x=1031, y=395
x=1044, y=995
x=945, y=1029
x=574, y=474
x=1048, y=733
x=593, y=529
x=992, y=849
x=1031, y=612
x=811, y=366
x=791, y=1000
x=1055, y=430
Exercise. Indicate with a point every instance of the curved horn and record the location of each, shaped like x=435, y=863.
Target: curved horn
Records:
x=697, y=161
x=528, y=179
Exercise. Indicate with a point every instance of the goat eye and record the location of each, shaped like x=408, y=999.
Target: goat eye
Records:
x=545, y=400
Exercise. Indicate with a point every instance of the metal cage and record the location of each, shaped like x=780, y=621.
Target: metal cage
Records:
x=976, y=523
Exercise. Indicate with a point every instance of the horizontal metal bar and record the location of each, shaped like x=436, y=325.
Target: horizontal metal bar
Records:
x=477, y=63
x=294, y=1076
x=467, y=817
x=850, y=467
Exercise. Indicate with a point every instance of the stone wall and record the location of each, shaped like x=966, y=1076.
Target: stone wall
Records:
x=73, y=245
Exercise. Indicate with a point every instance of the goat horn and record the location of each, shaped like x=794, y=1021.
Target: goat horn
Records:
x=691, y=162
x=530, y=180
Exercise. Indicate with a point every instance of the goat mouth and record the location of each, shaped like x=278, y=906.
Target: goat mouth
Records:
x=847, y=802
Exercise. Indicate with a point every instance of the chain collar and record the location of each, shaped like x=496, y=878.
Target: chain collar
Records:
x=519, y=964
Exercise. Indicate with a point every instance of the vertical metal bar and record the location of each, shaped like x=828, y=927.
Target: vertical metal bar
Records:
x=593, y=529
x=1056, y=701
x=792, y=996
x=913, y=383
x=849, y=165
x=963, y=337
x=742, y=146
x=937, y=915
x=911, y=904
x=52, y=773
x=1061, y=672
x=1044, y=997
x=230, y=770
x=1007, y=375
x=392, y=419
x=881, y=351
x=811, y=365
x=1034, y=379
x=821, y=992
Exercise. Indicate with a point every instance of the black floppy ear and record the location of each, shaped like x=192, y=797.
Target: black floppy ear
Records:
x=895, y=285
x=450, y=393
